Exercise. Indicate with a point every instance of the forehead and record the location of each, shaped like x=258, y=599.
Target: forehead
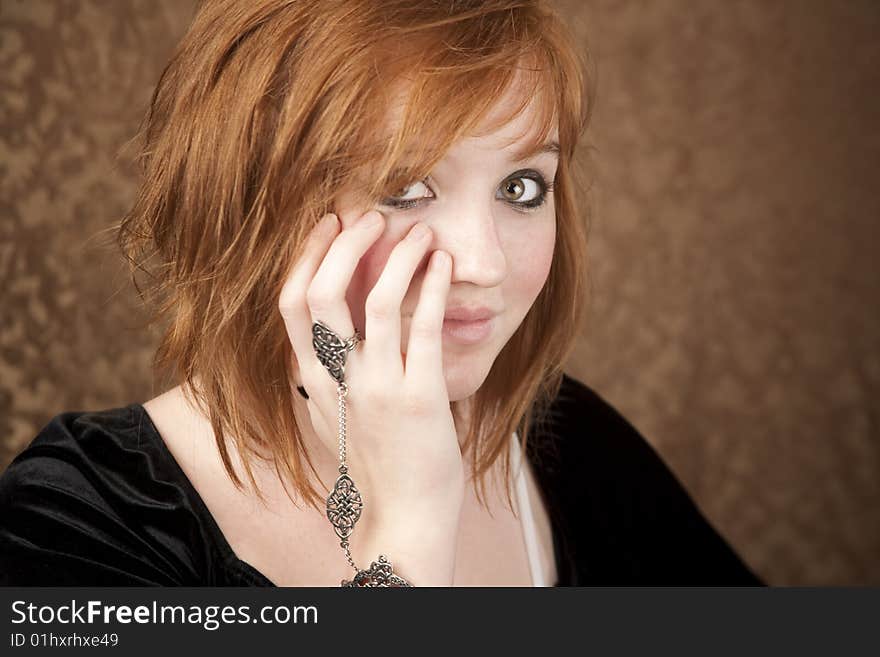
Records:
x=516, y=138
x=498, y=131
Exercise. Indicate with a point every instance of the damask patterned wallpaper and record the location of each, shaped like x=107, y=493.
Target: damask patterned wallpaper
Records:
x=734, y=276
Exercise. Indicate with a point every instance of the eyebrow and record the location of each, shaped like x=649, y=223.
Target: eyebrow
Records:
x=548, y=147
x=521, y=156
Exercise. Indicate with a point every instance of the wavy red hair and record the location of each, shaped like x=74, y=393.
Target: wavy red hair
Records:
x=264, y=113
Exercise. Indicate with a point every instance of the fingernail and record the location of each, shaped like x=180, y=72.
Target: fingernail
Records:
x=439, y=260
x=417, y=232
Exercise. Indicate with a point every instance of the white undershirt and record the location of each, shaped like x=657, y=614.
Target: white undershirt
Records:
x=527, y=519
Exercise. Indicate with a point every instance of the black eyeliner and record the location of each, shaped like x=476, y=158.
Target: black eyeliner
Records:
x=531, y=174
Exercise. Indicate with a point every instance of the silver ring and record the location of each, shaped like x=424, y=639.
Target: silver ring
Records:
x=332, y=350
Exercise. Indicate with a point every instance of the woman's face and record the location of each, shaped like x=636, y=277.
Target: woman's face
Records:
x=501, y=252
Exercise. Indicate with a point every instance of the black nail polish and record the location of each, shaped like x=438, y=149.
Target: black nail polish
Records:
x=302, y=391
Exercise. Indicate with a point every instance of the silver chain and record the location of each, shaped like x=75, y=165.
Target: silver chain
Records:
x=344, y=504
x=341, y=393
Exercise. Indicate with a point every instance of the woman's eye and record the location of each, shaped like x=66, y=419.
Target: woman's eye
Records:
x=525, y=190
x=408, y=196
x=522, y=191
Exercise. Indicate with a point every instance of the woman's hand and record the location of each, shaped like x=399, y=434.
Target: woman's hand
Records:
x=401, y=445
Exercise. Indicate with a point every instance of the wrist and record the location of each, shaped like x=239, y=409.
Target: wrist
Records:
x=420, y=562
x=420, y=544
x=398, y=502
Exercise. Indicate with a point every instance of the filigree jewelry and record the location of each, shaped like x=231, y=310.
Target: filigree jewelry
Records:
x=344, y=504
x=378, y=574
x=331, y=349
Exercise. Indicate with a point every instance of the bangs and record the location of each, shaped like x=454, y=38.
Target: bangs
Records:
x=434, y=107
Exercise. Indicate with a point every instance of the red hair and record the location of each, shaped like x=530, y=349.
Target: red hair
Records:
x=265, y=111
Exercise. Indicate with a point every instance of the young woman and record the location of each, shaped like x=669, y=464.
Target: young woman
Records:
x=362, y=233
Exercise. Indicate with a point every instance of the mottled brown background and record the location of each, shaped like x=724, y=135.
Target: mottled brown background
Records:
x=734, y=308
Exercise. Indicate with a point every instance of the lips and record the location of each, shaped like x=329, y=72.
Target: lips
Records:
x=469, y=314
x=467, y=332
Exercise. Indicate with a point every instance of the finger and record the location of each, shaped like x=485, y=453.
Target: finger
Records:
x=382, y=306
x=292, y=300
x=326, y=293
x=424, y=354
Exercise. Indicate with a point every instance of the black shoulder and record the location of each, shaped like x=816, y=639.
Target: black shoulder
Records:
x=630, y=516
x=87, y=503
x=580, y=427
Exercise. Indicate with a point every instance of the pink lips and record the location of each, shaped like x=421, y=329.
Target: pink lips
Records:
x=466, y=314
x=468, y=325
x=467, y=332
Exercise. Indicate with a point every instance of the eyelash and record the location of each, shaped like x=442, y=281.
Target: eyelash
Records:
x=521, y=206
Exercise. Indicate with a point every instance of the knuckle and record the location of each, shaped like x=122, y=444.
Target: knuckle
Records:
x=288, y=300
x=378, y=307
x=318, y=298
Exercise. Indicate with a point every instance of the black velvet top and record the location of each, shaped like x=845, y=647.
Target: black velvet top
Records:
x=97, y=499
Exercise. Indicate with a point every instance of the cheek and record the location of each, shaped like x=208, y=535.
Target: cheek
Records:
x=530, y=257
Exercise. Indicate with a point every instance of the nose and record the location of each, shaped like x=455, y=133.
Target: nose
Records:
x=470, y=236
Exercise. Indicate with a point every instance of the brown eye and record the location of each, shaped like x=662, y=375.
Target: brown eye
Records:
x=513, y=189
x=522, y=190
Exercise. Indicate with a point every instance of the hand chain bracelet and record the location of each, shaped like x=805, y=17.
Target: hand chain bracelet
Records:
x=344, y=504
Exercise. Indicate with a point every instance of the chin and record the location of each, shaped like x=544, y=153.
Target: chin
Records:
x=464, y=376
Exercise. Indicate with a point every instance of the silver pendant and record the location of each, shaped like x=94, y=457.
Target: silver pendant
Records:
x=344, y=505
